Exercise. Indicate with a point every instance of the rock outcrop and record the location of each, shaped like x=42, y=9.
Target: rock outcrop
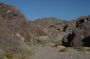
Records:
x=17, y=33
x=80, y=35
x=68, y=33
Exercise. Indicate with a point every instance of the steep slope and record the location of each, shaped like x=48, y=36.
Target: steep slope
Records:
x=13, y=30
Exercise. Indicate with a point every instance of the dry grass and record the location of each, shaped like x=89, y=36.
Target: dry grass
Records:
x=26, y=54
x=17, y=55
x=51, y=53
x=61, y=48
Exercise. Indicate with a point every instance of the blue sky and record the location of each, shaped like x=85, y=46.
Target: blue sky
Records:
x=64, y=9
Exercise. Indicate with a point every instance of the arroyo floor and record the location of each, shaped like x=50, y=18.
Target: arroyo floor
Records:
x=52, y=53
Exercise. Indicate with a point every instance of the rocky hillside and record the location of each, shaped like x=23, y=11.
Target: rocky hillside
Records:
x=68, y=33
x=13, y=30
x=17, y=33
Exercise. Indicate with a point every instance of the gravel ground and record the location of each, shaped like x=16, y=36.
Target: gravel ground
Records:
x=51, y=53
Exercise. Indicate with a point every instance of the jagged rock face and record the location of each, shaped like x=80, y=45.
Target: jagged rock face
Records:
x=76, y=32
x=80, y=36
x=83, y=32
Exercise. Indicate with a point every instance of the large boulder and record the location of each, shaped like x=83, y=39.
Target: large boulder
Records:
x=80, y=35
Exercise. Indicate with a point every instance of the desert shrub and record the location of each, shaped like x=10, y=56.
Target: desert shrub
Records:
x=13, y=56
x=61, y=48
x=88, y=49
x=80, y=49
x=51, y=44
x=17, y=55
